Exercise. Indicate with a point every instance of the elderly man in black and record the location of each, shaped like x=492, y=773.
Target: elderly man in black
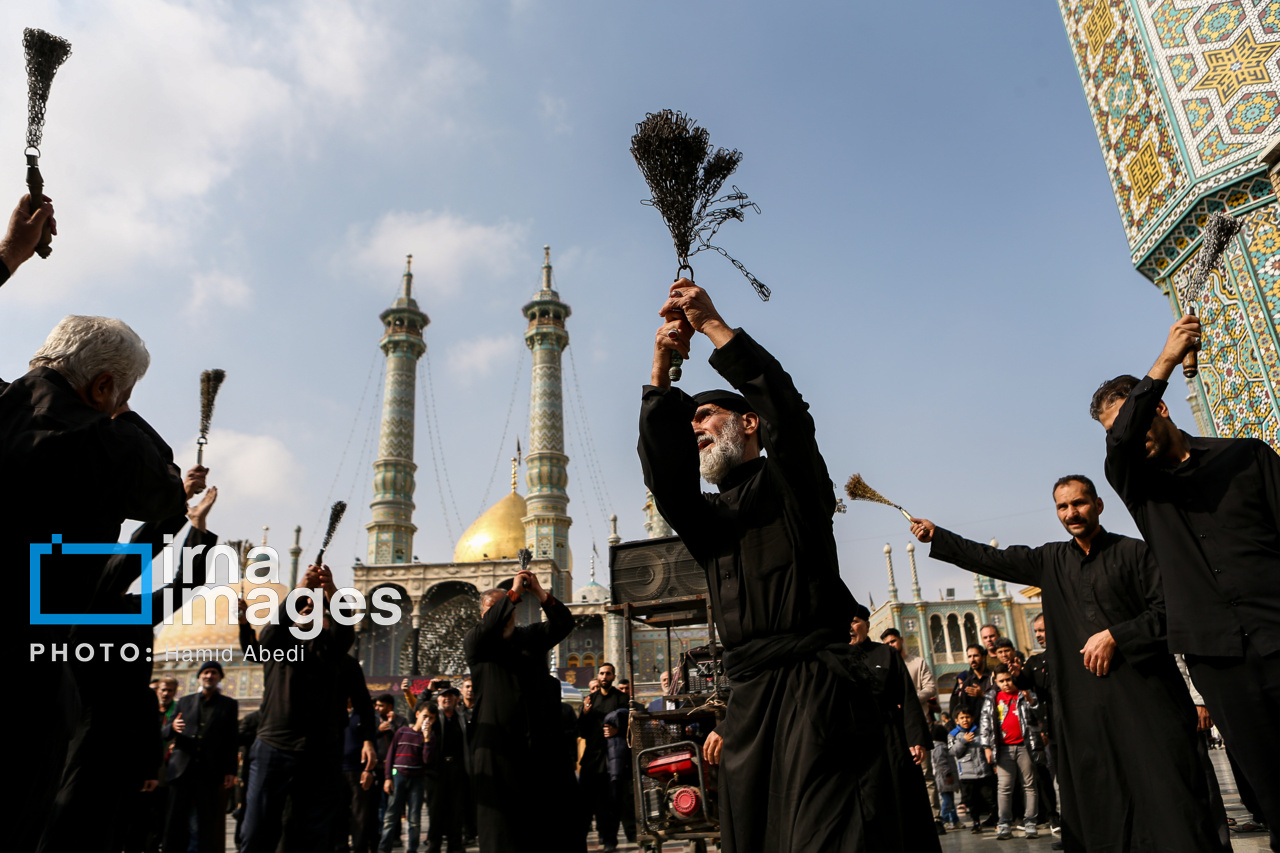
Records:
x=805, y=766
x=75, y=462
x=1210, y=509
x=1128, y=769
x=203, y=763
x=521, y=781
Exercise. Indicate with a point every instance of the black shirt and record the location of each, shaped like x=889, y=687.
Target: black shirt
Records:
x=1213, y=521
x=450, y=736
x=766, y=540
x=595, y=752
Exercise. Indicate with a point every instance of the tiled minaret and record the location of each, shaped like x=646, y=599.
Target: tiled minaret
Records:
x=391, y=530
x=547, y=524
x=1185, y=100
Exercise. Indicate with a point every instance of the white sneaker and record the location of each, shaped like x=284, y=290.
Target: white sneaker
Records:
x=1003, y=832
x=1029, y=829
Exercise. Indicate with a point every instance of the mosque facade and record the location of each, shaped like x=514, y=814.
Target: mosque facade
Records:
x=1185, y=99
x=940, y=631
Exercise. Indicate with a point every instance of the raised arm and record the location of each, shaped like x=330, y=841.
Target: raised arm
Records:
x=1016, y=564
x=788, y=431
x=669, y=461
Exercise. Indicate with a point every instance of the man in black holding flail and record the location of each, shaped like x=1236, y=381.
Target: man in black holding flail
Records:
x=804, y=767
x=1128, y=768
x=1210, y=510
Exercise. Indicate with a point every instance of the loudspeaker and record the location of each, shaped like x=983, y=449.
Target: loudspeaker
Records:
x=653, y=569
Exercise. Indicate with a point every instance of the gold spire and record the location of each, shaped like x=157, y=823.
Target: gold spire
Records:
x=515, y=469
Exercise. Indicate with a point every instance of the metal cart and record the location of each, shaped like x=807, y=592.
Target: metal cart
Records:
x=675, y=794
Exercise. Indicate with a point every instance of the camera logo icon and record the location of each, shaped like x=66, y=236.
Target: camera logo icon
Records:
x=40, y=549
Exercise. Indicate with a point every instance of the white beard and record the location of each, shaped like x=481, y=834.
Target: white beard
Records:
x=724, y=454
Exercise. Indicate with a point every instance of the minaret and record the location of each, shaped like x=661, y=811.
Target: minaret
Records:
x=614, y=538
x=294, y=554
x=893, y=587
x=547, y=524
x=654, y=524
x=391, y=530
x=915, y=578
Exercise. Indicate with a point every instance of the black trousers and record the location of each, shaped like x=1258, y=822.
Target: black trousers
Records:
x=979, y=796
x=1243, y=697
x=203, y=792
x=624, y=797
x=447, y=803
x=598, y=800
x=358, y=816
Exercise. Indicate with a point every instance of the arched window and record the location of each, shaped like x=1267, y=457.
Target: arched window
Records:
x=970, y=629
x=936, y=634
x=589, y=660
x=572, y=662
x=953, y=633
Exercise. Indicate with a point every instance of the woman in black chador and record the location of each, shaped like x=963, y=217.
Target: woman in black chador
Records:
x=805, y=764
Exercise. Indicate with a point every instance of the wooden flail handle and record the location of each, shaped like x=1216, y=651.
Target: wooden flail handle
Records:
x=1191, y=361
x=35, y=186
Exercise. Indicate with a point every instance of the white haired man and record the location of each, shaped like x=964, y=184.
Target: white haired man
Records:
x=75, y=462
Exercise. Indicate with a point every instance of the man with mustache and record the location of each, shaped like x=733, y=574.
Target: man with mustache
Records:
x=1128, y=770
x=805, y=765
x=1210, y=509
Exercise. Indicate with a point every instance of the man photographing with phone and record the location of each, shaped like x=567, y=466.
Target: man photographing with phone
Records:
x=519, y=779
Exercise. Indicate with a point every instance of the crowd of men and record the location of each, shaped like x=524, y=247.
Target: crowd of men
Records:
x=830, y=741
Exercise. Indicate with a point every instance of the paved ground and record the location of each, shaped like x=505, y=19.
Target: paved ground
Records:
x=965, y=841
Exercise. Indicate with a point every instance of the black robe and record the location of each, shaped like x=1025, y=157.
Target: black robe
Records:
x=1127, y=761
x=805, y=764
x=521, y=781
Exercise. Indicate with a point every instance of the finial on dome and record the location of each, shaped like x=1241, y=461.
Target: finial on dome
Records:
x=515, y=472
x=264, y=534
x=593, y=567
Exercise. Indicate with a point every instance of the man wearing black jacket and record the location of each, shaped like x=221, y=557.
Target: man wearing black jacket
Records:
x=1210, y=510
x=75, y=462
x=1128, y=770
x=298, y=752
x=804, y=764
x=520, y=776
x=593, y=776
x=203, y=763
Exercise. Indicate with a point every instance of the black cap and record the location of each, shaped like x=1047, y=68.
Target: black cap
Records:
x=449, y=691
x=860, y=611
x=725, y=400
x=210, y=664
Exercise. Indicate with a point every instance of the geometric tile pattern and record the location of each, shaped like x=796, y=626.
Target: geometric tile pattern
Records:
x=1199, y=114
x=1184, y=94
x=1239, y=359
x=1253, y=114
x=391, y=526
x=546, y=464
x=1225, y=52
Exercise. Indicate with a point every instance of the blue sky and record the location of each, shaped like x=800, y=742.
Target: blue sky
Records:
x=240, y=182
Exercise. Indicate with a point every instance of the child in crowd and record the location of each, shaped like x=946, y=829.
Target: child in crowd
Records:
x=977, y=786
x=946, y=776
x=1007, y=733
x=406, y=768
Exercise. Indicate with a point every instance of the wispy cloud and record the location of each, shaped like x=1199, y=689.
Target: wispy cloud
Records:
x=477, y=357
x=450, y=253
x=554, y=113
x=216, y=288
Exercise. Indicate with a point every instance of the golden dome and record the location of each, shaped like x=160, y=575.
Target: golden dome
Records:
x=225, y=630
x=496, y=535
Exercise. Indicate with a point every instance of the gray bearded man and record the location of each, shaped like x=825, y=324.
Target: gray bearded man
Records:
x=805, y=765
